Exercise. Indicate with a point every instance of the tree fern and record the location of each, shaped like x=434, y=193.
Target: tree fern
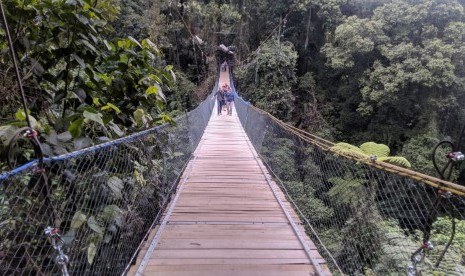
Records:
x=348, y=149
x=372, y=148
x=368, y=149
x=396, y=160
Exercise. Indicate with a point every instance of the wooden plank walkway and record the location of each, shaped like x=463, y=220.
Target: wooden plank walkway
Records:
x=226, y=219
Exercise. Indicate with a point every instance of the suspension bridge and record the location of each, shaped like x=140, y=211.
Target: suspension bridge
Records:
x=235, y=195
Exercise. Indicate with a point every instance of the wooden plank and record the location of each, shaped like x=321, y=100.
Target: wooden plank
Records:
x=219, y=261
x=225, y=254
x=227, y=267
x=228, y=243
x=228, y=273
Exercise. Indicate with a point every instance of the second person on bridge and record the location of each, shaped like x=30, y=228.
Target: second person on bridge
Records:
x=229, y=95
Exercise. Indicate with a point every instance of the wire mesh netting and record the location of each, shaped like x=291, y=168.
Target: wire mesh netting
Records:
x=363, y=219
x=102, y=200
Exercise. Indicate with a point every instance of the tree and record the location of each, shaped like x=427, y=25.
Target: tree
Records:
x=268, y=79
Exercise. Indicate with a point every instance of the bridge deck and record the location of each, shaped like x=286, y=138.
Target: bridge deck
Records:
x=225, y=219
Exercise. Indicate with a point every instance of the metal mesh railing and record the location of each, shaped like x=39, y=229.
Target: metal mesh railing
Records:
x=366, y=217
x=100, y=202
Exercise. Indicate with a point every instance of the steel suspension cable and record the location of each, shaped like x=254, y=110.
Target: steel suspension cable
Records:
x=27, y=132
x=15, y=63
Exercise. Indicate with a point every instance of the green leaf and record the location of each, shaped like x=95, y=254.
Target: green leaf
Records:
x=91, y=252
x=134, y=41
x=93, y=224
x=122, y=43
x=116, y=129
x=20, y=115
x=152, y=90
x=396, y=160
x=96, y=117
x=165, y=119
x=76, y=127
x=139, y=117
x=155, y=78
x=123, y=58
x=148, y=44
x=88, y=45
x=116, y=185
x=348, y=149
x=110, y=211
x=372, y=148
x=78, y=220
x=111, y=106
x=96, y=101
x=107, y=79
x=80, y=94
x=159, y=104
x=79, y=60
x=109, y=46
x=113, y=213
x=84, y=20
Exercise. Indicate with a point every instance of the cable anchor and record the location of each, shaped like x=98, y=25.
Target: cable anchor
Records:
x=57, y=242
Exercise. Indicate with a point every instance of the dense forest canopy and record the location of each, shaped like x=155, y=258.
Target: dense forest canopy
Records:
x=350, y=70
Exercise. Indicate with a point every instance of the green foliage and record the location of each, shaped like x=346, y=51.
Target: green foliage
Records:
x=372, y=148
x=312, y=207
x=418, y=150
x=267, y=80
x=280, y=151
x=348, y=149
x=346, y=190
x=87, y=84
x=398, y=245
x=396, y=160
x=368, y=149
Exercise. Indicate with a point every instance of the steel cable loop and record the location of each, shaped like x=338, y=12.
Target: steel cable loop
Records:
x=30, y=136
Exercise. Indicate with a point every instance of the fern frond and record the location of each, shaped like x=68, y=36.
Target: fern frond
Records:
x=372, y=148
x=348, y=149
x=345, y=190
x=396, y=160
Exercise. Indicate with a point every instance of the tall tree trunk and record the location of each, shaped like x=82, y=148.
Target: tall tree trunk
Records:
x=309, y=22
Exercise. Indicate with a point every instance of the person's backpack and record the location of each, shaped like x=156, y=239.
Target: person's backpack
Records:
x=229, y=97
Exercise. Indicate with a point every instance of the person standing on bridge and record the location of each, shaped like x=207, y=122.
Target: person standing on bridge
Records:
x=220, y=99
x=229, y=95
